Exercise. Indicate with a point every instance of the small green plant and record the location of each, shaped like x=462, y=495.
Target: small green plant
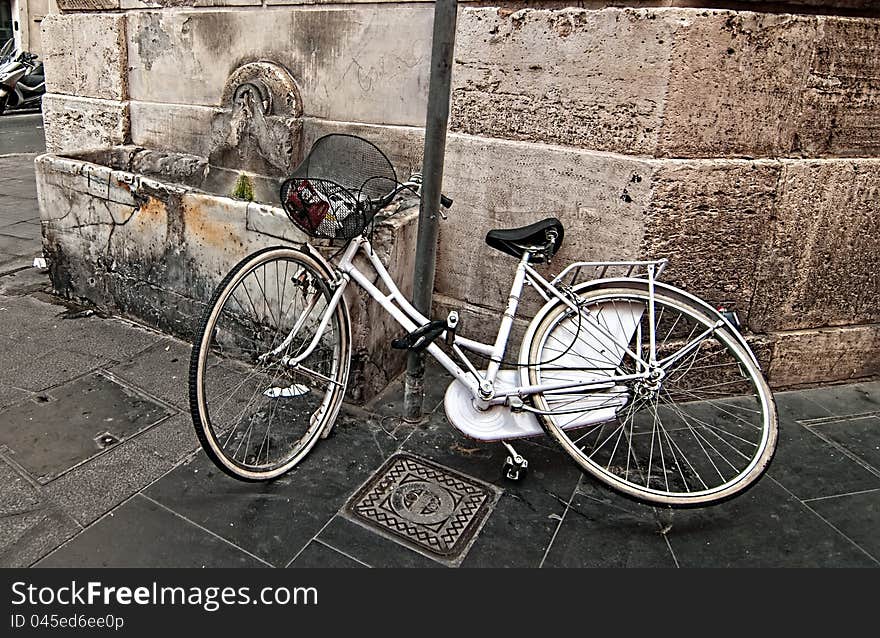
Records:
x=244, y=188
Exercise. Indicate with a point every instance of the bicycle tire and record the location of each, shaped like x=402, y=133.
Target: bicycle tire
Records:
x=234, y=366
x=748, y=411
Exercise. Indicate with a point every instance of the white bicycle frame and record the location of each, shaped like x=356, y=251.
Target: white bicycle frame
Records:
x=482, y=385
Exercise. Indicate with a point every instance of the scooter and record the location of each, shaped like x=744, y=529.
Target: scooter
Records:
x=22, y=79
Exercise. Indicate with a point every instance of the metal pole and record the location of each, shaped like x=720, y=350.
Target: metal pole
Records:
x=445, y=14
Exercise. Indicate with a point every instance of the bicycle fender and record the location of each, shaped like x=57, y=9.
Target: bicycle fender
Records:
x=330, y=273
x=315, y=254
x=635, y=284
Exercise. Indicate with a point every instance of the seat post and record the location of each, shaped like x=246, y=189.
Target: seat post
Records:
x=507, y=320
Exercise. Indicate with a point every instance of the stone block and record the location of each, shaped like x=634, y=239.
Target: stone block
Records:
x=77, y=124
x=589, y=79
x=348, y=65
x=172, y=127
x=404, y=145
x=823, y=355
x=671, y=82
x=709, y=218
x=735, y=84
x=86, y=55
x=820, y=265
x=841, y=103
x=600, y=199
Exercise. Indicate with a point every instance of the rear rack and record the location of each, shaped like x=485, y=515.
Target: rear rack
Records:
x=600, y=269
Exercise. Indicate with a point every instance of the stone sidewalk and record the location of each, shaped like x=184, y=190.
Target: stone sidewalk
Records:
x=99, y=465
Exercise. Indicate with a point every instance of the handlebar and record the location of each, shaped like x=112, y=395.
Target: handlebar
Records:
x=413, y=186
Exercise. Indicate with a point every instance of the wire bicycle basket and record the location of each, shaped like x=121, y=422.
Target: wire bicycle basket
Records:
x=334, y=192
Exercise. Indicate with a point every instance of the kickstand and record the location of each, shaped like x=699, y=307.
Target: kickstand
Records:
x=515, y=466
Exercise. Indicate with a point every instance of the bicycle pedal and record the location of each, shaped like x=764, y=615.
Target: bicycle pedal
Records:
x=421, y=337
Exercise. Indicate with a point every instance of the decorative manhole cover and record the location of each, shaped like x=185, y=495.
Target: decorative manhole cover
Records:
x=427, y=505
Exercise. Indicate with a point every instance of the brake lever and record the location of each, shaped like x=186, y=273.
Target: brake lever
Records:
x=445, y=202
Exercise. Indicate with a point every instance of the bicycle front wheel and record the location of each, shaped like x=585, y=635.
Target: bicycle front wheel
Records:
x=270, y=365
x=700, y=432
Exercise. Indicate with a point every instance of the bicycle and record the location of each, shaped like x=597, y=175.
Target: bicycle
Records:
x=649, y=389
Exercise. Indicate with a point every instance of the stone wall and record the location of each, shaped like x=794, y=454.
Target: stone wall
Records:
x=741, y=144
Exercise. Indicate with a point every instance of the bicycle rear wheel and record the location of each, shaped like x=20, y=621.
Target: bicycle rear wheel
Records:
x=256, y=414
x=701, y=434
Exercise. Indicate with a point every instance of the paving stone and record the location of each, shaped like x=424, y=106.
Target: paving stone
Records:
x=872, y=389
x=23, y=317
x=141, y=533
x=765, y=527
x=811, y=468
x=390, y=401
x=856, y=516
x=14, y=208
x=859, y=435
x=319, y=555
x=21, y=230
x=23, y=136
x=59, y=429
x=92, y=489
x=275, y=520
x=18, y=166
x=369, y=547
x=10, y=395
x=29, y=526
x=14, y=353
x=604, y=530
x=18, y=494
x=25, y=280
x=22, y=188
x=28, y=536
x=14, y=262
x=796, y=405
x=73, y=329
x=844, y=400
x=173, y=439
x=19, y=247
x=55, y=368
x=162, y=369
x=523, y=523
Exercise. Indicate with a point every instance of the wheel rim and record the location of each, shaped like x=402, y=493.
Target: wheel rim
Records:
x=259, y=416
x=704, y=432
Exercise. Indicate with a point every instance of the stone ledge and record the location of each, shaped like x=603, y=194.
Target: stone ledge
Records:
x=156, y=250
